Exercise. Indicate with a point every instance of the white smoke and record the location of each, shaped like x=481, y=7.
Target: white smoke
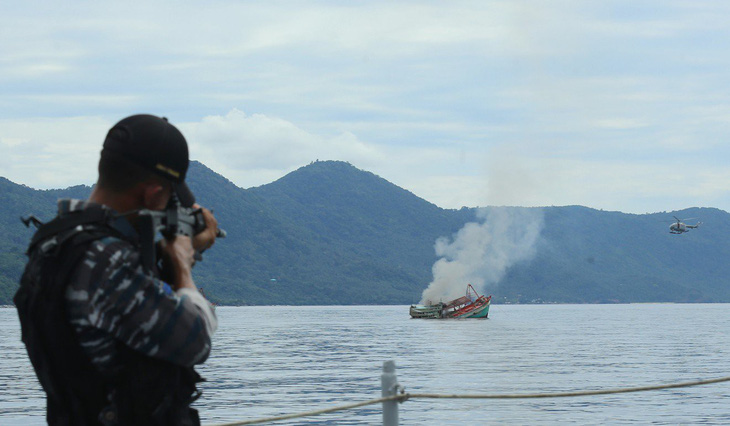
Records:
x=480, y=253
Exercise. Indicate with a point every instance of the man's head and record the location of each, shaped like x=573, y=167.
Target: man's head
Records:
x=145, y=154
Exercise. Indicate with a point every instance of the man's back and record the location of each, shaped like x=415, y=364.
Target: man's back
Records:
x=121, y=343
x=110, y=342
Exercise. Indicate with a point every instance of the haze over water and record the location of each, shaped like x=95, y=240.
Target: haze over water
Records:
x=278, y=360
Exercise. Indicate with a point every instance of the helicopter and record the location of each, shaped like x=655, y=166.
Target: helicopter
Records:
x=680, y=227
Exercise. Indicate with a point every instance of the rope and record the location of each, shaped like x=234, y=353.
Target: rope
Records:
x=406, y=396
x=568, y=394
x=313, y=413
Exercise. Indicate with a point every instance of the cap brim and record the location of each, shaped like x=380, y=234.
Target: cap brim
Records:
x=184, y=194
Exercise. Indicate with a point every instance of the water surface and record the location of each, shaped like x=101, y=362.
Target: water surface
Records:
x=276, y=360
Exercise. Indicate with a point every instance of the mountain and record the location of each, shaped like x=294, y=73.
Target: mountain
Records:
x=20, y=200
x=593, y=256
x=330, y=233
x=327, y=233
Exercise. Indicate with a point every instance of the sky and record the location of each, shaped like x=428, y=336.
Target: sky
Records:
x=614, y=105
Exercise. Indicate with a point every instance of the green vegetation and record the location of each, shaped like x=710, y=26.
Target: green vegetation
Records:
x=17, y=201
x=330, y=233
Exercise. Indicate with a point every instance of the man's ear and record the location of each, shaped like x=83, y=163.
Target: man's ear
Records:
x=155, y=197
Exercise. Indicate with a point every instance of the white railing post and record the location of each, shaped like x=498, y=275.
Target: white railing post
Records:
x=390, y=388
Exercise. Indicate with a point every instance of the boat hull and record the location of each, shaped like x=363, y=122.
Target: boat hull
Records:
x=478, y=309
x=427, y=311
x=482, y=312
x=470, y=306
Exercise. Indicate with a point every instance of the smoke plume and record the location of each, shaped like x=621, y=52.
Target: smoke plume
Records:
x=480, y=253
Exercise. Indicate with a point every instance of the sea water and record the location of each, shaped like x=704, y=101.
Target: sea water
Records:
x=276, y=360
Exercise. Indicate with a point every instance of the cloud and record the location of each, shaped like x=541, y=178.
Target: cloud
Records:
x=250, y=150
x=522, y=179
x=424, y=94
x=51, y=153
x=255, y=149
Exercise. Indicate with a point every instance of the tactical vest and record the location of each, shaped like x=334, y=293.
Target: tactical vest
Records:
x=145, y=391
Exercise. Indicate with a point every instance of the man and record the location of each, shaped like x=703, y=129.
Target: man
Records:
x=111, y=342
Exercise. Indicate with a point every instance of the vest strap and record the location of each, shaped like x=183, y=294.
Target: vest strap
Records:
x=68, y=222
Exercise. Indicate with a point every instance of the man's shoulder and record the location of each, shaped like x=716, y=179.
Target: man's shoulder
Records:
x=111, y=249
x=102, y=257
x=106, y=269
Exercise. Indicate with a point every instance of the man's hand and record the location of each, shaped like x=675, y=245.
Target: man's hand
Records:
x=204, y=240
x=178, y=257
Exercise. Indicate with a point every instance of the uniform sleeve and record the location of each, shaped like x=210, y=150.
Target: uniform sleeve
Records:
x=206, y=309
x=143, y=312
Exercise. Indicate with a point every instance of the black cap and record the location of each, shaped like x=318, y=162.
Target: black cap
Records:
x=154, y=144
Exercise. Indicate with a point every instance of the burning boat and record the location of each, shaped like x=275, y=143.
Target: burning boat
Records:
x=470, y=306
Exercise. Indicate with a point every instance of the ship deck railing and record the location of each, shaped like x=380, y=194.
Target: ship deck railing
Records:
x=393, y=394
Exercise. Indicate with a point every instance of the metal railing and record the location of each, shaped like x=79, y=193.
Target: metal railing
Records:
x=392, y=394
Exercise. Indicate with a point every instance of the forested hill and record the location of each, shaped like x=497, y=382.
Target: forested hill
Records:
x=330, y=233
x=586, y=255
x=327, y=233
x=16, y=201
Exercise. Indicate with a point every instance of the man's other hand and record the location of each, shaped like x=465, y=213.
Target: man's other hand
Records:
x=179, y=257
x=204, y=240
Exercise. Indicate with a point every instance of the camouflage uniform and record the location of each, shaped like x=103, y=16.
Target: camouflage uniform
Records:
x=110, y=342
x=110, y=299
